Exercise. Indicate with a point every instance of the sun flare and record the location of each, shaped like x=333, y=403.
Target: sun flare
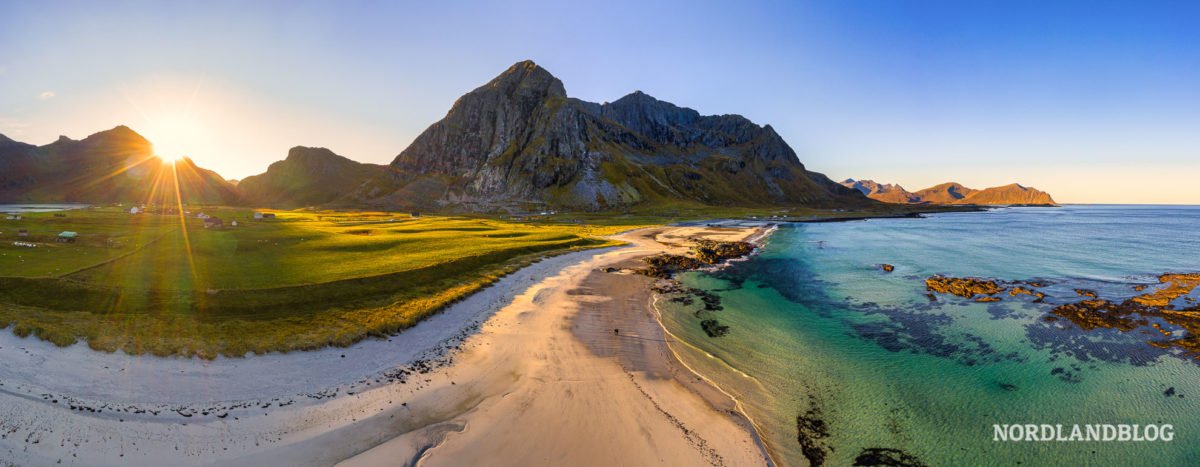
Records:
x=173, y=136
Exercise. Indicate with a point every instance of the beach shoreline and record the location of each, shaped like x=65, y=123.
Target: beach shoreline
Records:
x=385, y=392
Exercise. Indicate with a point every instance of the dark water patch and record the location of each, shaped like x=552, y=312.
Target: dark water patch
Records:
x=887, y=457
x=915, y=330
x=812, y=430
x=1103, y=345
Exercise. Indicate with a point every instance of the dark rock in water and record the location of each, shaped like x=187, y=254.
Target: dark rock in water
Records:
x=1169, y=392
x=1086, y=293
x=887, y=457
x=987, y=299
x=1008, y=387
x=887, y=267
x=714, y=328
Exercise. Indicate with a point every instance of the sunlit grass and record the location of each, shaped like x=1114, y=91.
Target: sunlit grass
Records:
x=146, y=284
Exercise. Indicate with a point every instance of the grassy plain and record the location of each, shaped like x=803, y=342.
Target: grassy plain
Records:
x=165, y=285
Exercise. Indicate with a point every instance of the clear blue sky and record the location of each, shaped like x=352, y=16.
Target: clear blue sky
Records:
x=1093, y=101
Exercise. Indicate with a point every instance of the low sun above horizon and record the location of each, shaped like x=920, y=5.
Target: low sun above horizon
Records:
x=174, y=135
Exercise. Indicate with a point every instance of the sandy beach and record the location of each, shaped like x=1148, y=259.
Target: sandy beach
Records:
x=560, y=362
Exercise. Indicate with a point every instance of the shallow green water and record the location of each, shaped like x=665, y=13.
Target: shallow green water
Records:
x=817, y=329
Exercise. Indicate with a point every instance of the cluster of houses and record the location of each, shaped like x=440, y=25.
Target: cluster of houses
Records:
x=211, y=222
x=13, y=217
x=25, y=244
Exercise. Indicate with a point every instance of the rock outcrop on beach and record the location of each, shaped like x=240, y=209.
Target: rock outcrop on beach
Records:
x=309, y=177
x=951, y=193
x=116, y=165
x=520, y=140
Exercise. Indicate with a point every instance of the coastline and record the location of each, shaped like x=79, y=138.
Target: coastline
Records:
x=446, y=388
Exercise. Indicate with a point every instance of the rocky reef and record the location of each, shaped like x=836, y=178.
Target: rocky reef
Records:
x=1168, y=310
x=1154, y=312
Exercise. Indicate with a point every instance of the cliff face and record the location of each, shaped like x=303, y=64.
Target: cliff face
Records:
x=520, y=139
x=951, y=193
x=308, y=177
x=116, y=165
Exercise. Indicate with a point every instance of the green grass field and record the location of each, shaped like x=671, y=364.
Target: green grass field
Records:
x=158, y=284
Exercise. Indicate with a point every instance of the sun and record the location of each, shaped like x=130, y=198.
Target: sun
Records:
x=174, y=135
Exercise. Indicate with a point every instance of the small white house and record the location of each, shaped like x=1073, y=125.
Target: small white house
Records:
x=233, y=224
x=202, y=216
x=134, y=210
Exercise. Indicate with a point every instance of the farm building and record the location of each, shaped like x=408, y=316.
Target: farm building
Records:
x=134, y=210
x=233, y=224
x=14, y=217
x=67, y=236
x=202, y=216
x=264, y=215
x=213, y=223
x=23, y=233
x=416, y=214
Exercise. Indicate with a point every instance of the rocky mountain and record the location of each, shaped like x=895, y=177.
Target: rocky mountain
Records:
x=116, y=165
x=309, y=177
x=1012, y=193
x=520, y=140
x=945, y=193
x=888, y=193
x=951, y=193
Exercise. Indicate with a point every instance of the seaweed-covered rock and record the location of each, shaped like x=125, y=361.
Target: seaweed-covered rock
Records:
x=966, y=287
x=1178, y=285
x=887, y=267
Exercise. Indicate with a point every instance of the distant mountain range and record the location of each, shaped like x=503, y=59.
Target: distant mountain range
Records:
x=517, y=142
x=110, y=166
x=951, y=193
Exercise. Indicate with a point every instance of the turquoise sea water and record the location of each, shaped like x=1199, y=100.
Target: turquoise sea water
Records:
x=817, y=329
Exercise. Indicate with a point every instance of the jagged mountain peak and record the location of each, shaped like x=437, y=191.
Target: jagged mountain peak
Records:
x=528, y=79
x=519, y=140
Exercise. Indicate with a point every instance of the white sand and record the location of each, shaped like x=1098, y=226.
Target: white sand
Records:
x=534, y=385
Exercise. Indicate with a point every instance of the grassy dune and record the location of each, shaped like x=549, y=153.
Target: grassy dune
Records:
x=149, y=284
